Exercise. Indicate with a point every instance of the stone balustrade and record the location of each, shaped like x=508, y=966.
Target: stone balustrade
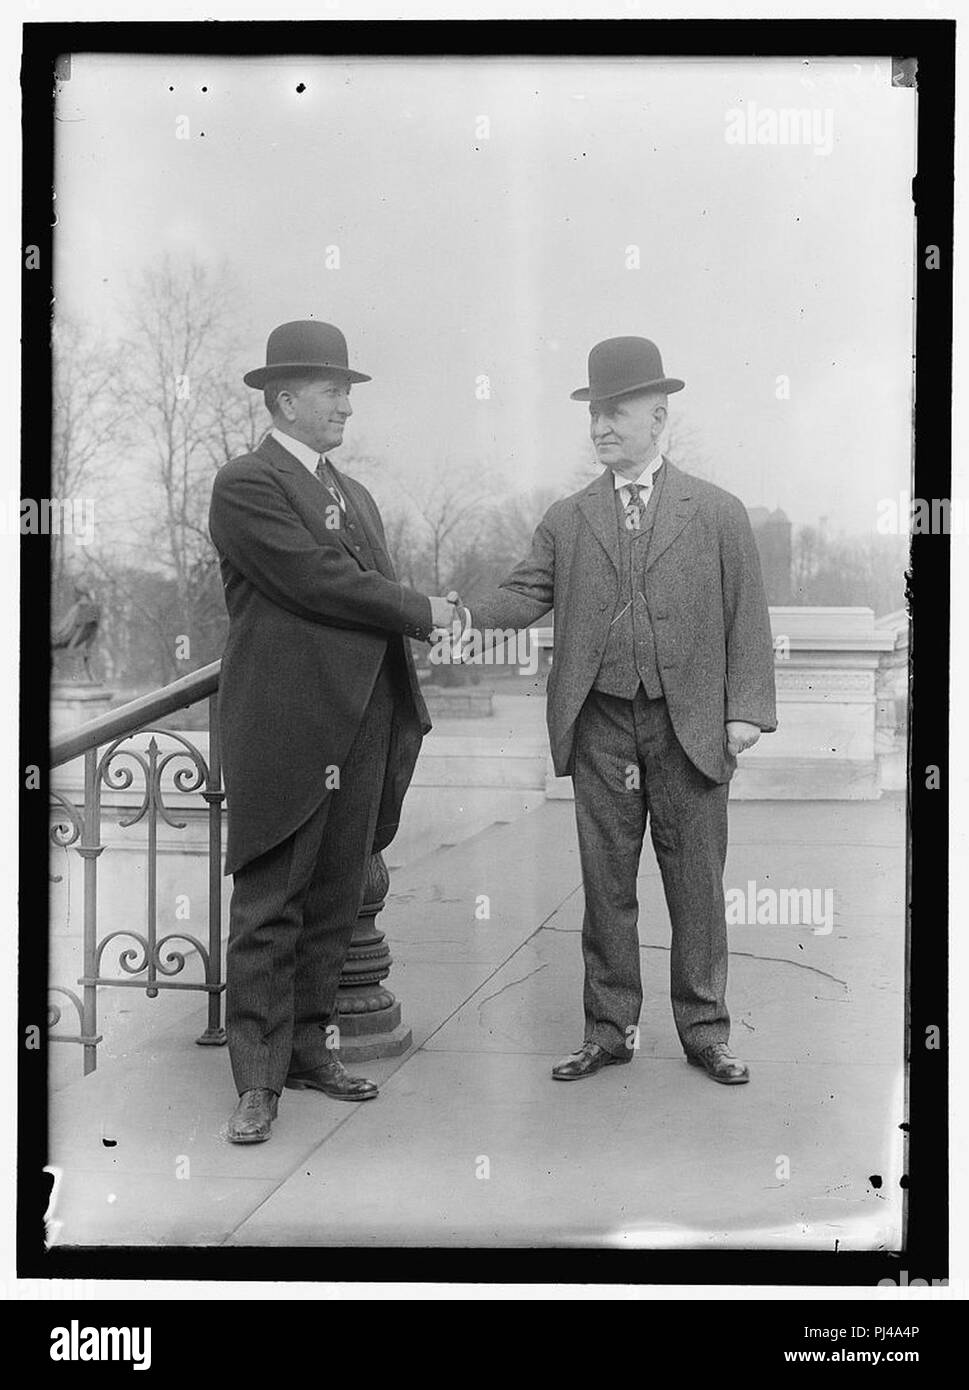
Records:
x=841, y=681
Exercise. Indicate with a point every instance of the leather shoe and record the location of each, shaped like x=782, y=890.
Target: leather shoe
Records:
x=252, y=1118
x=589, y=1059
x=332, y=1078
x=719, y=1063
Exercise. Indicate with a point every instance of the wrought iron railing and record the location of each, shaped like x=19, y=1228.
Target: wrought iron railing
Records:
x=369, y=1015
x=152, y=961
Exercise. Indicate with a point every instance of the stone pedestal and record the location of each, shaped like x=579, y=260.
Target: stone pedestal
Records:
x=891, y=704
x=368, y=1014
x=73, y=703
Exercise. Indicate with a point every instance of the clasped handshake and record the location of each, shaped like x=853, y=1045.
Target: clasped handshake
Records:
x=449, y=617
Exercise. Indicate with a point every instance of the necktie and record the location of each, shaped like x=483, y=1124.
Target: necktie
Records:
x=323, y=473
x=635, y=507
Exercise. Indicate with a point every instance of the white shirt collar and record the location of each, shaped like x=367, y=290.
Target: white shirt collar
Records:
x=645, y=479
x=308, y=457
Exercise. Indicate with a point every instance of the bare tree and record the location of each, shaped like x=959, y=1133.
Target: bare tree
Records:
x=808, y=554
x=91, y=421
x=404, y=545
x=442, y=510
x=134, y=638
x=686, y=448
x=448, y=508
x=239, y=422
x=849, y=570
x=515, y=520
x=193, y=415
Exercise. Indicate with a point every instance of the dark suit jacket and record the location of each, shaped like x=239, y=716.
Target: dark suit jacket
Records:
x=312, y=613
x=706, y=601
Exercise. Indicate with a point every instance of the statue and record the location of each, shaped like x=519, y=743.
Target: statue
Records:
x=75, y=635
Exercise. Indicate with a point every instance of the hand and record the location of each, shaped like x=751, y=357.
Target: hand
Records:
x=464, y=617
x=740, y=736
x=444, y=614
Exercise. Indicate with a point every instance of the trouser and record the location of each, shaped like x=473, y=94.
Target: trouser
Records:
x=629, y=765
x=293, y=912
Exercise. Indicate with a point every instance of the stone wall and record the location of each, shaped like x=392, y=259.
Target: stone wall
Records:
x=841, y=698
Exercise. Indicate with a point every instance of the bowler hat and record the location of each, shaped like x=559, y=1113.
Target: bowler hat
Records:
x=620, y=365
x=304, y=346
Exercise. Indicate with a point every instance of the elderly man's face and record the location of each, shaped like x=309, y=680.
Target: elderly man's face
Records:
x=625, y=429
x=316, y=411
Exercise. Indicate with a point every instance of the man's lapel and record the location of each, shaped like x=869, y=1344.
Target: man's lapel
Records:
x=316, y=498
x=598, y=506
x=676, y=503
x=358, y=500
x=279, y=457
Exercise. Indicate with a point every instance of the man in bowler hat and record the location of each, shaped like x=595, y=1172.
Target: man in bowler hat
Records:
x=663, y=673
x=321, y=720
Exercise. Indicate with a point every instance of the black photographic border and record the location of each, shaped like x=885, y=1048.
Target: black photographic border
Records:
x=932, y=44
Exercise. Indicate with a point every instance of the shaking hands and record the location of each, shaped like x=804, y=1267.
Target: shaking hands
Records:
x=449, y=617
x=444, y=613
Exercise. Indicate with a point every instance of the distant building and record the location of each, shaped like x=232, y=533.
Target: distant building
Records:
x=772, y=532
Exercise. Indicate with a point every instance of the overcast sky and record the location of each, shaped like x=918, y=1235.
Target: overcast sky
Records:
x=462, y=255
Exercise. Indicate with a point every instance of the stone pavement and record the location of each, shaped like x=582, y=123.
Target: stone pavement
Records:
x=471, y=1142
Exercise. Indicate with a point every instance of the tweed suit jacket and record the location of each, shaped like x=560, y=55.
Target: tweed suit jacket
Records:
x=705, y=594
x=312, y=613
